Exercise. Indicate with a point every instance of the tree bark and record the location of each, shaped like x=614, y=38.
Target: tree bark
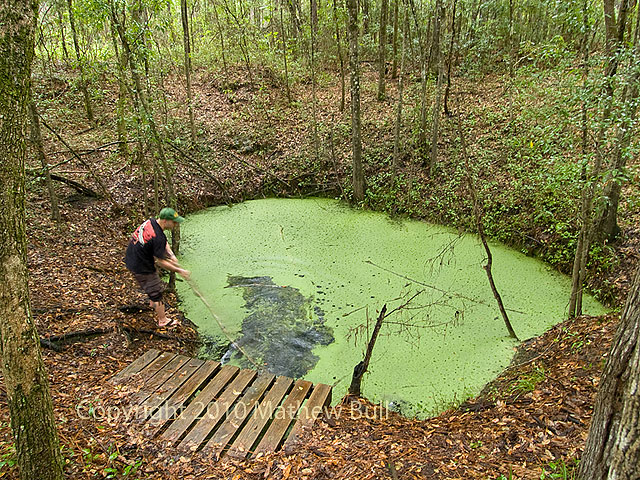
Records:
x=612, y=450
x=356, y=138
x=25, y=377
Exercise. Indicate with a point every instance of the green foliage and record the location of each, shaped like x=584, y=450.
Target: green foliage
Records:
x=560, y=470
x=527, y=382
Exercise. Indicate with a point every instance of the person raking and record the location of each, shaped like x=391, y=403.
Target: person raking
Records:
x=147, y=248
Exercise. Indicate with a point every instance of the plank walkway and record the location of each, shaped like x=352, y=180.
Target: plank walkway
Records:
x=198, y=405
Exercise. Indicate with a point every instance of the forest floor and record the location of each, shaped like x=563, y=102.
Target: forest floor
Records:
x=530, y=423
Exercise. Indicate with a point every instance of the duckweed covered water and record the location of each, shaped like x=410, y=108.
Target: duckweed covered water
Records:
x=298, y=284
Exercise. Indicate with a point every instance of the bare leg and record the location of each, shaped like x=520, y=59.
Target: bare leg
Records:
x=160, y=313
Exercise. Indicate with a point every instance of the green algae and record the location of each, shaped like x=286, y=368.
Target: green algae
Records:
x=333, y=267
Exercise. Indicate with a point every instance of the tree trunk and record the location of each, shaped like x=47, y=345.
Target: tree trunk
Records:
x=313, y=8
x=222, y=49
x=314, y=99
x=612, y=450
x=36, y=139
x=284, y=55
x=356, y=138
x=340, y=56
x=396, y=140
x=63, y=40
x=359, y=370
x=294, y=18
x=447, y=90
x=394, y=67
x=382, y=49
x=121, y=124
x=83, y=81
x=608, y=222
x=473, y=191
x=25, y=378
x=365, y=15
x=187, y=66
x=435, y=124
x=582, y=249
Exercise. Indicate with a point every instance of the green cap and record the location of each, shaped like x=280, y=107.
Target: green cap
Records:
x=170, y=214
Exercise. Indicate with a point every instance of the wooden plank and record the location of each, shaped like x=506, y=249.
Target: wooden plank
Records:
x=311, y=410
x=217, y=410
x=169, y=387
x=251, y=431
x=236, y=418
x=199, y=403
x=172, y=406
x=135, y=366
x=164, y=374
x=283, y=418
x=154, y=367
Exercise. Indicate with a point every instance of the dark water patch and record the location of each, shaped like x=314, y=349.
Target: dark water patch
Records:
x=213, y=347
x=282, y=327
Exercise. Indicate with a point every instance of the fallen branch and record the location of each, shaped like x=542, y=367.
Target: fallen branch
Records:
x=54, y=342
x=78, y=187
x=193, y=161
x=255, y=167
x=81, y=160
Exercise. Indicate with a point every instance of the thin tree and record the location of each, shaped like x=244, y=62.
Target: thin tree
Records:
x=612, y=450
x=396, y=140
x=356, y=136
x=79, y=59
x=187, y=65
x=340, y=56
x=24, y=374
x=382, y=49
x=394, y=66
x=314, y=99
x=36, y=140
x=435, y=124
x=284, y=56
x=222, y=48
x=477, y=212
x=447, y=89
x=121, y=122
x=579, y=266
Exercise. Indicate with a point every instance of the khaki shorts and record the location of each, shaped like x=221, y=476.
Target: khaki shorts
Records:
x=151, y=284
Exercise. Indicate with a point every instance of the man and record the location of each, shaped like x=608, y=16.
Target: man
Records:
x=147, y=247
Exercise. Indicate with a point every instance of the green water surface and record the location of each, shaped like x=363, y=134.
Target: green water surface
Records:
x=292, y=280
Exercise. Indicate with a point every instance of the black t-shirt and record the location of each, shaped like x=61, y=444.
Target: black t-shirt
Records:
x=147, y=241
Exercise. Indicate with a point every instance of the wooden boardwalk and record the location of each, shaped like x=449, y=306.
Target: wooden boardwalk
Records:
x=198, y=405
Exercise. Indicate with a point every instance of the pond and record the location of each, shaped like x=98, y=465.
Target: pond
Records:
x=297, y=284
